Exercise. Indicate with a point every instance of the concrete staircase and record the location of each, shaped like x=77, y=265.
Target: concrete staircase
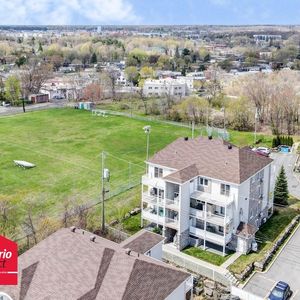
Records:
x=232, y=279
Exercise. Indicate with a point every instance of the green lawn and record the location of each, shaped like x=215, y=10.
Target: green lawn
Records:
x=267, y=234
x=65, y=145
x=206, y=255
x=132, y=224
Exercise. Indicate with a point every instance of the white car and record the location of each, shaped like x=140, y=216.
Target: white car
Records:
x=263, y=150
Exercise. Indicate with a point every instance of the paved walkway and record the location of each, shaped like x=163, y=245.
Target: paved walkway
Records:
x=231, y=259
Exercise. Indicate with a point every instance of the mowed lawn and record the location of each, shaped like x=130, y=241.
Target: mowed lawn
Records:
x=66, y=146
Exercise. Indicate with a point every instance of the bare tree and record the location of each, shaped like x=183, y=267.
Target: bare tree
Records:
x=33, y=77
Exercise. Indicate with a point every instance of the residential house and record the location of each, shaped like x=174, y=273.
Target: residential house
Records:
x=165, y=87
x=207, y=192
x=75, y=264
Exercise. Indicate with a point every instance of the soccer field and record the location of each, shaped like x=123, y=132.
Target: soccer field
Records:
x=66, y=145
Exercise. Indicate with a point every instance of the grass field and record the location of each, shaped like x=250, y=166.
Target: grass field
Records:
x=66, y=144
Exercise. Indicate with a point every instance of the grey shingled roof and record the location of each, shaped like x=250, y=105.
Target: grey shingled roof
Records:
x=68, y=265
x=142, y=241
x=210, y=158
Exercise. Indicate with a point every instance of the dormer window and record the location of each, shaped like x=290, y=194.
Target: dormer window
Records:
x=158, y=172
x=203, y=181
x=225, y=189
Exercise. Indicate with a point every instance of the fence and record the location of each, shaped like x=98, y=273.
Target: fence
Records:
x=244, y=295
x=197, y=268
x=210, y=130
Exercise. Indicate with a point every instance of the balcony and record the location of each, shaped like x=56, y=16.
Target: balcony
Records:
x=209, y=236
x=153, y=181
x=218, y=219
x=152, y=199
x=209, y=198
x=172, y=204
x=199, y=214
x=151, y=215
x=172, y=223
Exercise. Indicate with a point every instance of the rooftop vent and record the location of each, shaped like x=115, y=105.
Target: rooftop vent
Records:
x=229, y=146
x=73, y=228
x=210, y=137
x=93, y=238
x=128, y=251
x=186, y=138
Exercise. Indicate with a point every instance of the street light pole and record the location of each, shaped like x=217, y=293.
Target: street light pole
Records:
x=255, y=126
x=147, y=130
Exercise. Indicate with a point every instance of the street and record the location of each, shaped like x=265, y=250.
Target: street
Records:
x=286, y=268
x=5, y=111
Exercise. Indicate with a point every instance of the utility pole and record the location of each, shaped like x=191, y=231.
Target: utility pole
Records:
x=104, y=176
x=193, y=129
x=255, y=125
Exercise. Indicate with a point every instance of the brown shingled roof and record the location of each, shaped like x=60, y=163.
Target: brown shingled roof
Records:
x=211, y=158
x=67, y=265
x=246, y=230
x=142, y=241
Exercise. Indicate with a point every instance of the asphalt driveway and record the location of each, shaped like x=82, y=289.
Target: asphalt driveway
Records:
x=286, y=268
x=288, y=161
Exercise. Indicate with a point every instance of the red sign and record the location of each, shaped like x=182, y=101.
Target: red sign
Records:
x=8, y=262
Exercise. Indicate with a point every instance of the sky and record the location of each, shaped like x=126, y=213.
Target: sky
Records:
x=168, y=12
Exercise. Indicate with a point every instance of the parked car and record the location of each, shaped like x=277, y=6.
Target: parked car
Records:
x=262, y=150
x=281, y=291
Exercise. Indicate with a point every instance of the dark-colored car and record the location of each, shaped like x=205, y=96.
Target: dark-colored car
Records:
x=281, y=291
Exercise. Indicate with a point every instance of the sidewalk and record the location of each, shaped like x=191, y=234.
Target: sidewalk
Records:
x=230, y=260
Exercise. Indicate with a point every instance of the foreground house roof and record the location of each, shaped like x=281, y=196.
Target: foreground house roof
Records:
x=212, y=158
x=68, y=265
x=142, y=241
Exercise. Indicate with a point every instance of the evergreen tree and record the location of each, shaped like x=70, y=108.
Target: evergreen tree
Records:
x=94, y=58
x=40, y=47
x=281, y=193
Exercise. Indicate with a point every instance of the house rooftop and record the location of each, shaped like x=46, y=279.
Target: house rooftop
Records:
x=69, y=265
x=212, y=158
x=142, y=241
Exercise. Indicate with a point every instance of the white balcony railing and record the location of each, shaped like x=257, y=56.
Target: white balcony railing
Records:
x=199, y=214
x=212, y=237
x=152, y=216
x=153, y=199
x=220, y=200
x=171, y=222
x=172, y=204
x=153, y=181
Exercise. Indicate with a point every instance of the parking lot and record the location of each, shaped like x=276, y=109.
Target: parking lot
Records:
x=286, y=268
x=288, y=161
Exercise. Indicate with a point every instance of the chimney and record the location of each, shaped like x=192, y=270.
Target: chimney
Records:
x=186, y=138
x=229, y=146
x=73, y=228
x=210, y=137
x=128, y=251
x=92, y=238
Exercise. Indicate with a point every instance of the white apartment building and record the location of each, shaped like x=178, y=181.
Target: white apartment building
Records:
x=207, y=192
x=166, y=87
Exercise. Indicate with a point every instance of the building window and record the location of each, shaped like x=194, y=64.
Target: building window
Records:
x=221, y=229
x=203, y=181
x=158, y=172
x=150, y=87
x=225, y=189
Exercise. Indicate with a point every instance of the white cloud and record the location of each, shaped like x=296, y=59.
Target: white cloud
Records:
x=37, y=12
